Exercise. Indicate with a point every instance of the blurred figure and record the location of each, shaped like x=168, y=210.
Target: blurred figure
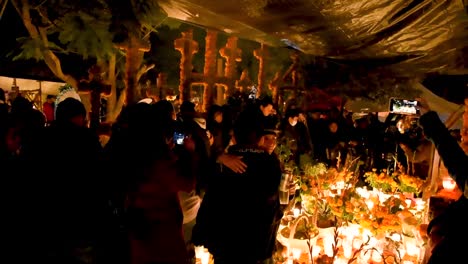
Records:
x=220, y=225
x=48, y=107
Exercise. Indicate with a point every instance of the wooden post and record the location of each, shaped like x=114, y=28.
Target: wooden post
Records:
x=244, y=83
x=293, y=70
x=209, y=70
x=464, y=131
x=134, y=48
x=262, y=55
x=232, y=54
x=95, y=87
x=161, y=84
x=187, y=47
x=274, y=86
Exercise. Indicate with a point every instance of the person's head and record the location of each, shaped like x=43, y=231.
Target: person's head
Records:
x=218, y=117
x=20, y=105
x=266, y=106
x=2, y=95
x=51, y=98
x=315, y=115
x=362, y=123
x=269, y=141
x=247, y=129
x=71, y=111
x=333, y=126
x=187, y=108
x=165, y=109
x=292, y=115
x=215, y=113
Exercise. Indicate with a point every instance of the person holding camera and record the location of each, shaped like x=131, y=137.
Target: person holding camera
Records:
x=448, y=230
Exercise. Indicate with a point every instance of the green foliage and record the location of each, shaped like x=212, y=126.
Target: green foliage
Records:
x=31, y=49
x=148, y=13
x=87, y=35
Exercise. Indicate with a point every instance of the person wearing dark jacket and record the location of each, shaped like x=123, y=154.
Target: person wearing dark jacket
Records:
x=448, y=230
x=241, y=207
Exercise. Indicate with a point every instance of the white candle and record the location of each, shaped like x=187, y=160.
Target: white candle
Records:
x=328, y=242
x=357, y=243
x=402, y=251
x=412, y=249
x=396, y=237
x=420, y=204
x=365, y=255
x=205, y=258
x=347, y=245
x=376, y=256
x=449, y=184
x=296, y=212
x=296, y=253
x=316, y=251
x=408, y=202
x=370, y=204
x=340, y=261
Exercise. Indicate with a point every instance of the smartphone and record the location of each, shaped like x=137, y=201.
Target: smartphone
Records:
x=404, y=106
x=179, y=138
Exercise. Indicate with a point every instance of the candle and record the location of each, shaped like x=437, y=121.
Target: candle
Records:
x=449, y=184
x=365, y=256
x=376, y=257
x=370, y=204
x=199, y=252
x=402, y=251
x=357, y=243
x=408, y=202
x=296, y=212
x=396, y=237
x=412, y=249
x=340, y=261
x=316, y=251
x=328, y=242
x=347, y=245
x=420, y=204
x=205, y=258
x=296, y=253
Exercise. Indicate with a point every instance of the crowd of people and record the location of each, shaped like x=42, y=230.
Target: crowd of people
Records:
x=167, y=180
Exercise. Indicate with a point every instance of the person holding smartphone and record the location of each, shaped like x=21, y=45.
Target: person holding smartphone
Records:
x=447, y=231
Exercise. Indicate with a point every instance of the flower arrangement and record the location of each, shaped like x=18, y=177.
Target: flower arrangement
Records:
x=348, y=207
x=318, y=182
x=381, y=181
x=391, y=183
x=383, y=217
x=410, y=184
x=318, y=178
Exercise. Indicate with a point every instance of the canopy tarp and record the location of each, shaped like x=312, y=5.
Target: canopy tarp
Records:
x=410, y=36
x=47, y=87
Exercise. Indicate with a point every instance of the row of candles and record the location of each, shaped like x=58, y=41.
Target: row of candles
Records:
x=351, y=240
x=352, y=237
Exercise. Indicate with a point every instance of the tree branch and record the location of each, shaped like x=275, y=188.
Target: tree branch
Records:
x=40, y=34
x=144, y=69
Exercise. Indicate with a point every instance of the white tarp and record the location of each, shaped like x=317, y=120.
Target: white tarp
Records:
x=47, y=87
